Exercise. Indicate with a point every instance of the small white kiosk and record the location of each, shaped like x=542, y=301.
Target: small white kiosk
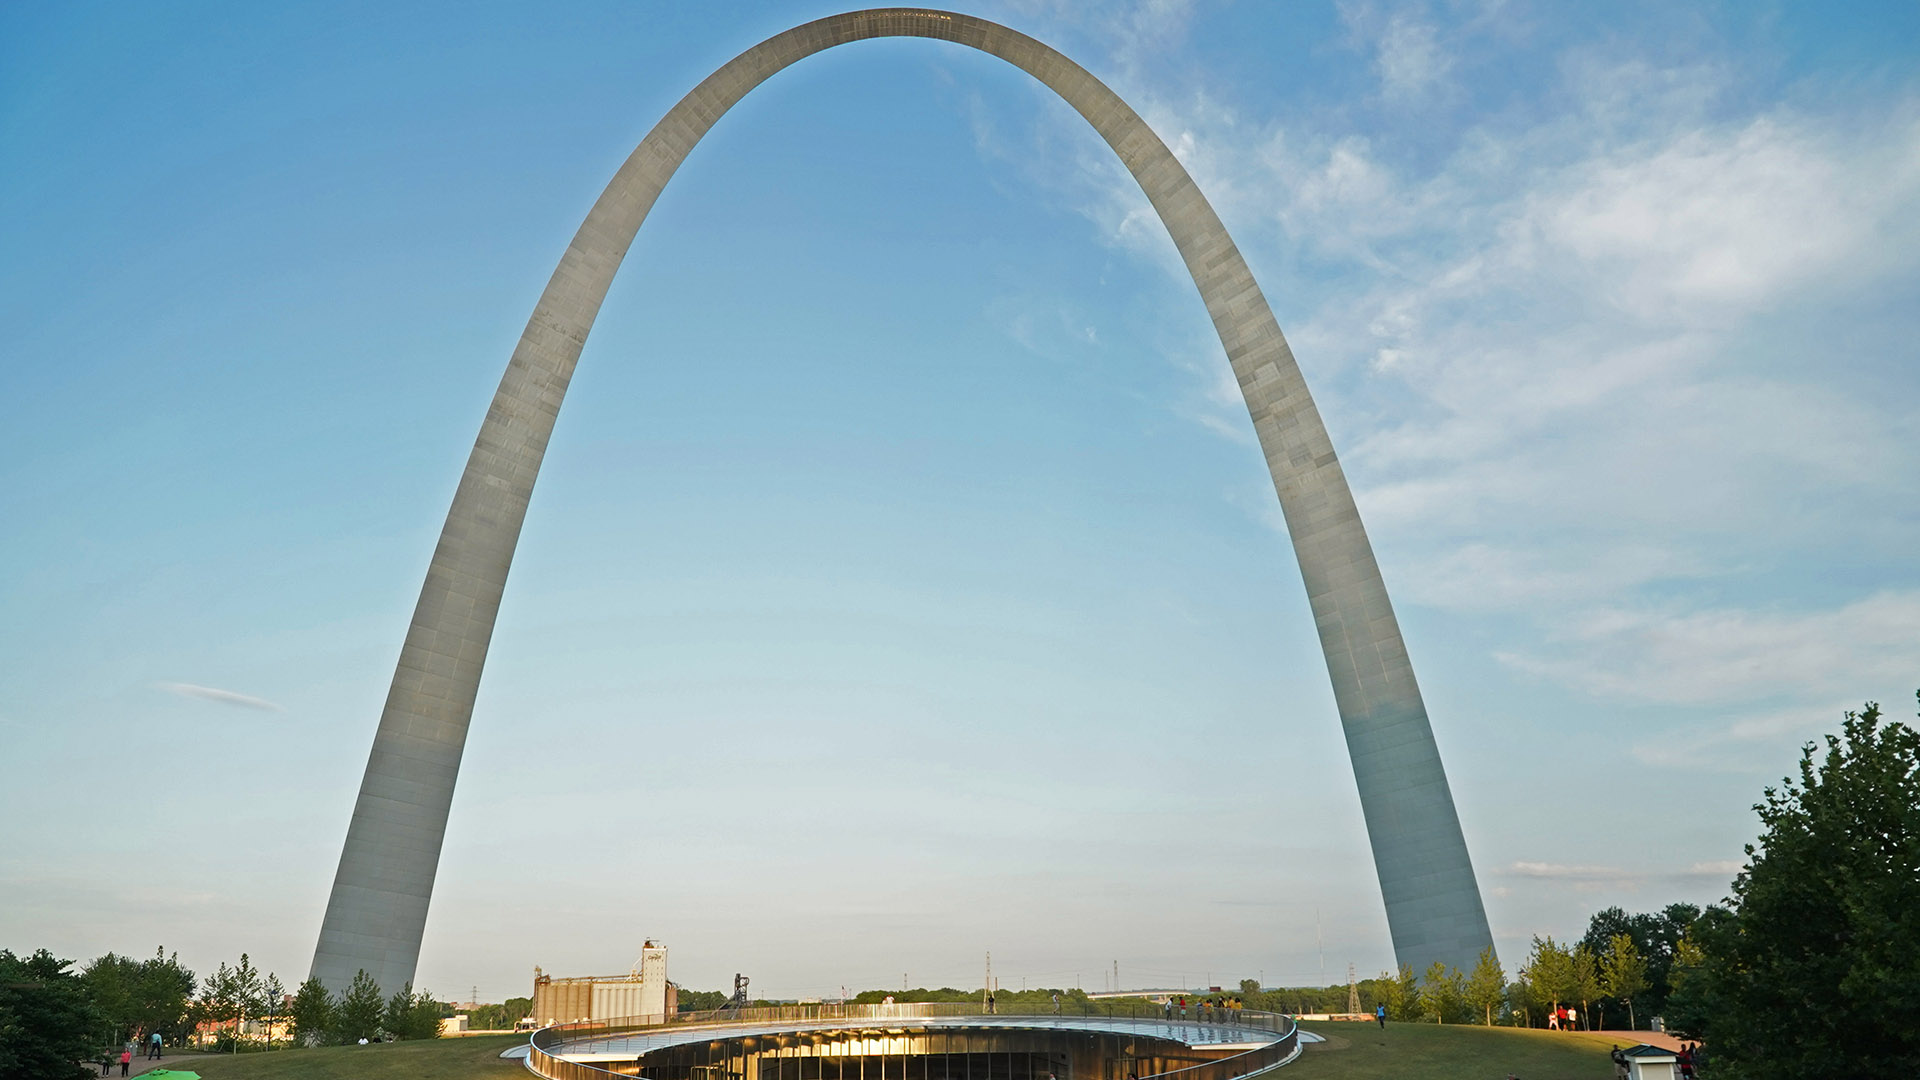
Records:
x=1652, y=1063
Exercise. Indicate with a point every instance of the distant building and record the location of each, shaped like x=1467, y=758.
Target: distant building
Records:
x=642, y=991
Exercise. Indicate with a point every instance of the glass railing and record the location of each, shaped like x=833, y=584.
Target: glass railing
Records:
x=541, y=1056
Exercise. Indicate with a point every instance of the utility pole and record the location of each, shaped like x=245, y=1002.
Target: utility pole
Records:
x=986, y=987
x=1321, y=941
x=1116, y=976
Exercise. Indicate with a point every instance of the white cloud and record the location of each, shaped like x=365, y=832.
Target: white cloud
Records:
x=1479, y=576
x=1717, y=868
x=1410, y=61
x=1563, y=872
x=224, y=697
x=1725, y=655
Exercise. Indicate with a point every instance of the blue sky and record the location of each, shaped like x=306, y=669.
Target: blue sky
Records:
x=903, y=581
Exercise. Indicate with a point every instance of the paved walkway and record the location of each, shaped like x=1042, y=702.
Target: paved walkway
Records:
x=1635, y=1038
x=174, y=1060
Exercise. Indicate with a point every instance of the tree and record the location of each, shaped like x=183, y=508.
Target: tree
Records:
x=1440, y=993
x=217, y=1004
x=1401, y=995
x=1524, y=998
x=1486, y=986
x=412, y=1016
x=1586, y=981
x=1550, y=969
x=1623, y=972
x=246, y=989
x=164, y=991
x=359, y=1012
x=1816, y=970
x=111, y=982
x=1655, y=934
x=690, y=1001
x=47, y=1020
x=273, y=1004
x=312, y=1013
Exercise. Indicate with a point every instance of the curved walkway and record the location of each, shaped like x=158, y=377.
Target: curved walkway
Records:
x=626, y=1047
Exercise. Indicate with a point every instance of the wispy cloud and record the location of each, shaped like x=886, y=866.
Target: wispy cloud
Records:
x=1729, y=655
x=1588, y=878
x=1407, y=53
x=224, y=697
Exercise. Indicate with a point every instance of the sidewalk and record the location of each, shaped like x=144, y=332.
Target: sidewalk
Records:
x=1634, y=1038
x=175, y=1059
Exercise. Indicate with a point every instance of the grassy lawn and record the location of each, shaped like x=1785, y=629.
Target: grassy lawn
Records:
x=1450, y=1052
x=1351, y=1052
x=427, y=1059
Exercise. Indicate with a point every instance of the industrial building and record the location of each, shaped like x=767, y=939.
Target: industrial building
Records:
x=642, y=991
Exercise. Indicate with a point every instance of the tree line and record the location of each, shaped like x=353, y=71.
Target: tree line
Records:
x=1810, y=968
x=53, y=1016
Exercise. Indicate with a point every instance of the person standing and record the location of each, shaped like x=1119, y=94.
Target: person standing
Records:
x=1573, y=1018
x=153, y=1047
x=990, y=1001
x=1056, y=1012
x=126, y=1060
x=1380, y=1014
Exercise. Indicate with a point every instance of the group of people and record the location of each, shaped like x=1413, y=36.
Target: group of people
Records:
x=1179, y=1004
x=1688, y=1058
x=106, y=1059
x=1563, y=1018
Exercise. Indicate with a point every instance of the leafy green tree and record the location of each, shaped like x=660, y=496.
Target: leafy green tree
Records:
x=503, y=1016
x=1441, y=997
x=161, y=997
x=412, y=1016
x=312, y=1013
x=1691, y=1001
x=273, y=1004
x=1486, y=987
x=359, y=1011
x=1623, y=972
x=1816, y=971
x=246, y=988
x=1524, y=998
x=1550, y=969
x=218, y=1003
x=1401, y=995
x=112, y=981
x=696, y=1000
x=47, y=1019
x=1586, y=981
x=1656, y=935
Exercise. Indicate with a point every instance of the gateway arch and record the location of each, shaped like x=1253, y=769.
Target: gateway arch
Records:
x=378, y=908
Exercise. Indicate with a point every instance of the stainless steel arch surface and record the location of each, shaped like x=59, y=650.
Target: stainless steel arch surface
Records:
x=378, y=908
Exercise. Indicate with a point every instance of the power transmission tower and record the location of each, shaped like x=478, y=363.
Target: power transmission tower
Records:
x=739, y=990
x=1353, y=991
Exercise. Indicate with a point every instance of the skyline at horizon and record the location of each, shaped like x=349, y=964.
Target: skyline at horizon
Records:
x=900, y=505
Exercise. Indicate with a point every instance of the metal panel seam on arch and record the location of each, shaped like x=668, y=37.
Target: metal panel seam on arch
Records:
x=376, y=913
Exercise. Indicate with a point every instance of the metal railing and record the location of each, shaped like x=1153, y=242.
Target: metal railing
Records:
x=542, y=1060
